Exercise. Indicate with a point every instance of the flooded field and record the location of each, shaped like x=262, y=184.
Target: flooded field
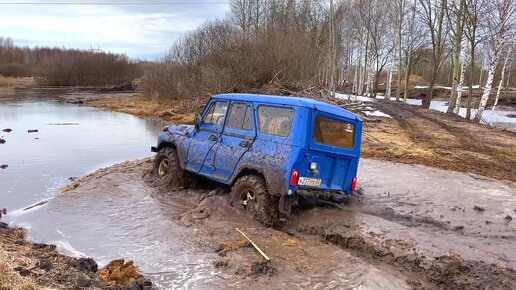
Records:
x=414, y=227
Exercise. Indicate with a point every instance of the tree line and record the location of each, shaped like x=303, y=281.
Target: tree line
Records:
x=359, y=46
x=66, y=67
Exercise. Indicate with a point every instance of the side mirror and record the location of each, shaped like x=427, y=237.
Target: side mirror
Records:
x=197, y=121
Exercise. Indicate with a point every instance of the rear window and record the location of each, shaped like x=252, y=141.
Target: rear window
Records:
x=331, y=132
x=275, y=120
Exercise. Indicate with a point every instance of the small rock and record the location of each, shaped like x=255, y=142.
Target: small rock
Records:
x=73, y=178
x=508, y=218
x=488, y=222
x=33, y=131
x=4, y=166
x=8, y=130
x=479, y=208
x=2, y=141
x=36, y=138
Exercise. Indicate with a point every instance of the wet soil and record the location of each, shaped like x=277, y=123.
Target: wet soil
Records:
x=26, y=265
x=420, y=136
x=398, y=235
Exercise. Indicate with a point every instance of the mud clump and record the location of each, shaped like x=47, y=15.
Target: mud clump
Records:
x=479, y=208
x=7, y=130
x=223, y=248
x=4, y=166
x=123, y=275
x=32, y=131
x=2, y=141
x=263, y=268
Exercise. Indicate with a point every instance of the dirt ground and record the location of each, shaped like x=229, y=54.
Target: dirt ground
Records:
x=412, y=241
x=420, y=136
x=25, y=265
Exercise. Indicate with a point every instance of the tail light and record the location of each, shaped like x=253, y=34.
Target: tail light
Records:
x=294, y=177
x=354, y=184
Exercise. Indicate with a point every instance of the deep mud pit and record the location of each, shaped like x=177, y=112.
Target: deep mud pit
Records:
x=394, y=238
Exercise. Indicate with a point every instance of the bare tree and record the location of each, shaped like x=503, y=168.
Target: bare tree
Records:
x=473, y=20
x=500, y=24
x=457, y=9
x=433, y=13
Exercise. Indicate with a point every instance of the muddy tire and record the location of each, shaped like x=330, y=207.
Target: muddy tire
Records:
x=167, y=171
x=249, y=193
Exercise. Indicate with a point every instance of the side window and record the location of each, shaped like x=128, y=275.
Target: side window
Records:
x=275, y=120
x=240, y=117
x=216, y=113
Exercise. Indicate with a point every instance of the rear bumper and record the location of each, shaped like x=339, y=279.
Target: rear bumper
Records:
x=322, y=194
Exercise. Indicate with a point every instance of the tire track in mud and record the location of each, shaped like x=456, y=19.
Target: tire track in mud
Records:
x=445, y=271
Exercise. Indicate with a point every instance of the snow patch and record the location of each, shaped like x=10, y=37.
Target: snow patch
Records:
x=377, y=113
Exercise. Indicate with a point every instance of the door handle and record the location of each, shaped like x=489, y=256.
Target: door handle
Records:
x=245, y=143
x=213, y=138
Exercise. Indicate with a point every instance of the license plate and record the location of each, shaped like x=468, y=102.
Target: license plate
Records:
x=307, y=181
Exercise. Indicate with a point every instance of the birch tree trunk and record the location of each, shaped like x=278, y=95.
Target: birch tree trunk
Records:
x=500, y=83
x=463, y=60
x=487, y=87
x=457, y=51
x=389, y=80
x=401, y=10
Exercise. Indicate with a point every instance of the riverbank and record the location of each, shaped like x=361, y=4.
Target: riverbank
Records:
x=26, y=265
x=413, y=135
x=17, y=82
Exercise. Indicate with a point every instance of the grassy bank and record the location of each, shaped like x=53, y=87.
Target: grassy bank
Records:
x=26, y=266
x=9, y=82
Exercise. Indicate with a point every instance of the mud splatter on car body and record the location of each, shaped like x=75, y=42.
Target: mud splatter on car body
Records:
x=297, y=145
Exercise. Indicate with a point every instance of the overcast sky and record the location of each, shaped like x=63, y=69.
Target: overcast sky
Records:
x=142, y=30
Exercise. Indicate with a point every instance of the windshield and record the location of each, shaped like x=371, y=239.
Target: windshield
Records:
x=332, y=132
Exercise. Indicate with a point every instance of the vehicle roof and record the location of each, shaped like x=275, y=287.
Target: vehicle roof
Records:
x=292, y=101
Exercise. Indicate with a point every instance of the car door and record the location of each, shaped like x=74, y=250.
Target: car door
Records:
x=200, y=153
x=237, y=137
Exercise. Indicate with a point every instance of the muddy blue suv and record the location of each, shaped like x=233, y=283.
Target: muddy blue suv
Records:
x=270, y=150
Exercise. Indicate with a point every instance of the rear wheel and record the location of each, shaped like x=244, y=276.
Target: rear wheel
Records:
x=167, y=170
x=249, y=193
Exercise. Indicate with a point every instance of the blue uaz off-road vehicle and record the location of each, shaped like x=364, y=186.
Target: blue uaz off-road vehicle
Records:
x=269, y=149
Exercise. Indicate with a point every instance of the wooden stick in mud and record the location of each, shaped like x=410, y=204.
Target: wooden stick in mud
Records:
x=254, y=245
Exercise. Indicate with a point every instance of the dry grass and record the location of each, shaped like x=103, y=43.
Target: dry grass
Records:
x=25, y=266
x=9, y=278
x=9, y=81
x=427, y=137
x=170, y=111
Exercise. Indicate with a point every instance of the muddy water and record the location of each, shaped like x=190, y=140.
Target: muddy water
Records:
x=114, y=214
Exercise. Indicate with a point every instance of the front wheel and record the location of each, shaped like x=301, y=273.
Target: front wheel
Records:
x=249, y=193
x=167, y=170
